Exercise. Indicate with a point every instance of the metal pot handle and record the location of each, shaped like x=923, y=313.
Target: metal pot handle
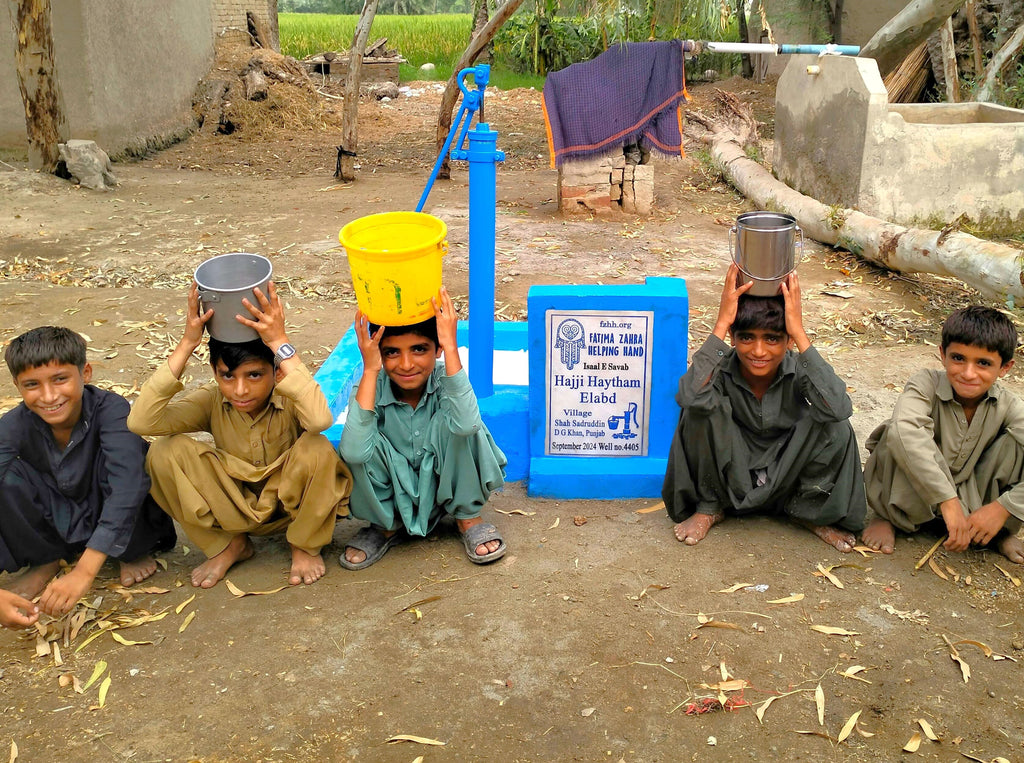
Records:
x=733, y=231
x=208, y=296
x=801, y=242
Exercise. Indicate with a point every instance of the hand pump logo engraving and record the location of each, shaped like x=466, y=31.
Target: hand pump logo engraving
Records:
x=569, y=340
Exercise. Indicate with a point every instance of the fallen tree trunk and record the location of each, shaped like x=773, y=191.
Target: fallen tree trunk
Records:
x=993, y=269
x=906, y=30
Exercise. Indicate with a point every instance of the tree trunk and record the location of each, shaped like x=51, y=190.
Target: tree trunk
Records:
x=451, y=91
x=481, y=14
x=999, y=60
x=972, y=24
x=350, y=113
x=275, y=29
x=45, y=122
x=741, y=16
x=949, y=70
x=906, y=30
x=993, y=269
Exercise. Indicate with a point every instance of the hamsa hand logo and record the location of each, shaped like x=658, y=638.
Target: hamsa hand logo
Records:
x=569, y=340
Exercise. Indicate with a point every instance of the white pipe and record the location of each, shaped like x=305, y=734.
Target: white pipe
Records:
x=742, y=47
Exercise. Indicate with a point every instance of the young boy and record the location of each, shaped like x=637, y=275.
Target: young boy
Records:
x=764, y=429
x=72, y=480
x=415, y=441
x=269, y=468
x=955, y=444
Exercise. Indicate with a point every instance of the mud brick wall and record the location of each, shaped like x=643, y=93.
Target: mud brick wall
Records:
x=229, y=23
x=597, y=185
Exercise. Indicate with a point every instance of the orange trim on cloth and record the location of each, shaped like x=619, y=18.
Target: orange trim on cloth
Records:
x=611, y=139
x=547, y=128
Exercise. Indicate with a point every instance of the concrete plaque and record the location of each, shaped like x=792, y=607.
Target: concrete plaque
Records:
x=598, y=382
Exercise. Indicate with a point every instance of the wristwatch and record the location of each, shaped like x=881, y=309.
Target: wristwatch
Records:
x=284, y=352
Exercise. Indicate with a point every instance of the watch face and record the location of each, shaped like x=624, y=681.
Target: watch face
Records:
x=285, y=351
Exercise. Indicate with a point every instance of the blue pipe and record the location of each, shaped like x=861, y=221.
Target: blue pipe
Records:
x=842, y=50
x=483, y=157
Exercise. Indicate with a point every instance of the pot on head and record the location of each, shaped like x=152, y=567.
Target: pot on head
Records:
x=224, y=281
x=764, y=250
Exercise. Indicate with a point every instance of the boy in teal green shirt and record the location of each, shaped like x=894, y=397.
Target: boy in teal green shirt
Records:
x=415, y=441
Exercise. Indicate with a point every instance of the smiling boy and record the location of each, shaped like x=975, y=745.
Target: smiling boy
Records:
x=268, y=470
x=415, y=441
x=954, y=447
x=763, y=429
x=73, y=484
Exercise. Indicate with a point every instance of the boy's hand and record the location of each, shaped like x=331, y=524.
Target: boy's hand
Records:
x=369, y=346
x=16, y=612
x=64, y=592
x=794, y=312
x=195, y=320
x=986, y=522
x=729, y=302
x=267, y=317
x=447, y=321
x=957, y=526
x=447, y=330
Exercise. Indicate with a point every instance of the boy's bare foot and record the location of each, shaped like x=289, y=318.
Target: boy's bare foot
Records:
x=484, y=548
x=880, y=535
x=32, y=581
x=692, y=530
x=833, y=536
x=210, y=572
x=1010, y=546
x=138, y=570
x=306, y=568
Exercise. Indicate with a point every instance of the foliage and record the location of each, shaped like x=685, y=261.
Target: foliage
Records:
x=399, y=7
x=438, y=39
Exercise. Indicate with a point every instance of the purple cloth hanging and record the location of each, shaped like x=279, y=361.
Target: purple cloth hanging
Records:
x=629, y=93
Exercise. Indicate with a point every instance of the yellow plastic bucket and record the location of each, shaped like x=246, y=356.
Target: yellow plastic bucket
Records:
x=395, y=259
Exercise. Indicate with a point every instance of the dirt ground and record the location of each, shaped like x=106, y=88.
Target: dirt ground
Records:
x=595, y=634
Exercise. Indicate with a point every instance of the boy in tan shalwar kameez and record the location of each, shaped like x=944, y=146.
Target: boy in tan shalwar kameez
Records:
x=269, y=468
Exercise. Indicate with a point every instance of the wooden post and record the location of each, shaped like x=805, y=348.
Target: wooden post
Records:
x=971, y=10
x=45, y=123
x=350, y=113
x=949, y=61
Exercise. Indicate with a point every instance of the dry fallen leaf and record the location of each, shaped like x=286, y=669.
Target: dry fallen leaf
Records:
x=935, y=568
x=849, y=726
x=656, y=507
x=1011, y=578
x=555, y=523
x=829, y=630
x=516, y=511
x=914, y=743
x=819, y=701
x=787, y=600
x=720, y=624
x=587, y=711
x=827, y=574
x=97, y=671
x=928, y=554
x=42, y=647
x=418, y=740
x=927, y=729
x=122, y=640
x=238, y=592
x=954, y=655
x=759, y=712
x=177, y=609
x=852, y=671
x=14, y=751
x=187, y=621
x=734, y=587
x=104, y=688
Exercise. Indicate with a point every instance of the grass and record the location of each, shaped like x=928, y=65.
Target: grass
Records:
x=438, y=39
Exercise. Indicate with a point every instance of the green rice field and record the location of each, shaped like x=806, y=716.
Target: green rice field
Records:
x=438, y=38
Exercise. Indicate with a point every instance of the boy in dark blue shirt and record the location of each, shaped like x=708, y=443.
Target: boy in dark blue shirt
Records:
x=72, y=477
